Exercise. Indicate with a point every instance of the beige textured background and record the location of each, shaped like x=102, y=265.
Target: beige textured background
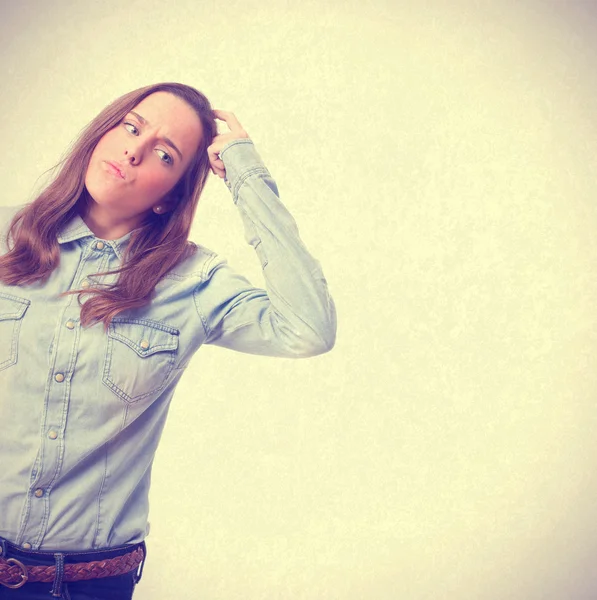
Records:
x=440, y=162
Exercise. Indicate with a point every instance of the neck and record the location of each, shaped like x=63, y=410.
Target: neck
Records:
x=104, y=225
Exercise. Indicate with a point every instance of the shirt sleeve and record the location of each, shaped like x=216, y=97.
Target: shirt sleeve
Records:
x=294, y=316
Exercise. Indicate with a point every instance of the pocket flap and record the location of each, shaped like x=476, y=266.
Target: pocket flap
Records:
x=12, y=307
x=143, y=336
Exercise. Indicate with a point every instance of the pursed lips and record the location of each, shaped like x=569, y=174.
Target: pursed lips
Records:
x=115, y=169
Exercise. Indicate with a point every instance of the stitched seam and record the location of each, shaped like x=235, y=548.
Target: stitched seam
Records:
x=65, y=403
x=235, y=143
x=148, y=322
x=209, y=255
x=14, y=352
x=204, y=322
x=99, y=500
x=242, y=178
x=121, y=393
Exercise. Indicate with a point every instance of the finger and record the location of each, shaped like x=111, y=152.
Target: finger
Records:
x=217, y=166
x=229, y=118
x=213, y=152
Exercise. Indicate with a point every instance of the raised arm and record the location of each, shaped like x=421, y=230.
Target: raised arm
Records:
x=294, y=316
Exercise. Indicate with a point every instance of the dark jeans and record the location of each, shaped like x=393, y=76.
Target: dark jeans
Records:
x=120, y=587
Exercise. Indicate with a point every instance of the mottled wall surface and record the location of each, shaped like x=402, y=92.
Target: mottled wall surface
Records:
x=440, y=162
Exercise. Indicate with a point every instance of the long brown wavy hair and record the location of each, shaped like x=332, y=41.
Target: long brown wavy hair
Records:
x=155, y=247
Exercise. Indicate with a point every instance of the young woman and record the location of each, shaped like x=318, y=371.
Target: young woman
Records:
x=103, y=302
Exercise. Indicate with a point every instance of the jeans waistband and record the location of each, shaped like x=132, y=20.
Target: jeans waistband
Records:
x=60, y=558
x=37, y=557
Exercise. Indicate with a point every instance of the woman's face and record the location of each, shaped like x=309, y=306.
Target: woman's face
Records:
x=136, y=164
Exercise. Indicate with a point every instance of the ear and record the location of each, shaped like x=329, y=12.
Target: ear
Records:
x=170, y=200
x=166, y=204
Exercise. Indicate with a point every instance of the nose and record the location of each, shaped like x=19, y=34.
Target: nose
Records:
x=134, y=152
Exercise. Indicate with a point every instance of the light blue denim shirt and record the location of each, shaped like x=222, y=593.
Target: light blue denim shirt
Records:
x=82, y=410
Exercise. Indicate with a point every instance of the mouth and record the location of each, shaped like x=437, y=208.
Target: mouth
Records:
x=115, y=169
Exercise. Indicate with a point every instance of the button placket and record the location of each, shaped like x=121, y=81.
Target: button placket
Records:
x=63, y=359
x=99, y=254
x=62, y=366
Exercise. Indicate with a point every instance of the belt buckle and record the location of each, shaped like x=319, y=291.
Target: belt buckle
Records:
x=24, y=574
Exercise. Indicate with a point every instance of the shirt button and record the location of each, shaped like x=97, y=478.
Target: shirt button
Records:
x=59, y=377
x=70, y=325
x=144, y=344
x=100, y=245
x=26, y=546
x=39, y=493
x=85, y=283
x=53, y=435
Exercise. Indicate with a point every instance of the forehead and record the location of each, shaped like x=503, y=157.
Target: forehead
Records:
x=172, y=117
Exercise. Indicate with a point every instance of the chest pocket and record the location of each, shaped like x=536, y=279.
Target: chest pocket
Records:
x=12, y=311
x=140, y=356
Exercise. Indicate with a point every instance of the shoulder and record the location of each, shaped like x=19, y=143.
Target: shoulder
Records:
x=198, y=266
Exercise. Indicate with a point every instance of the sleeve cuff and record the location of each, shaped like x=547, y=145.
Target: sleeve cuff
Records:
x=241, y=159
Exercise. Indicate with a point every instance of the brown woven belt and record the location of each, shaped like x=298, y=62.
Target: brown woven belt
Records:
x=14, y=574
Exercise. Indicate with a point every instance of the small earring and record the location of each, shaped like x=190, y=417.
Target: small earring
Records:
x=157, y=209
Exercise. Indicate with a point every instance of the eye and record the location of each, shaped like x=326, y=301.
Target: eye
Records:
x=165, y=157
x=131, y=128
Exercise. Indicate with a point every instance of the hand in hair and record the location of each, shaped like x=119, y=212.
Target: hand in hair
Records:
x=236, y=132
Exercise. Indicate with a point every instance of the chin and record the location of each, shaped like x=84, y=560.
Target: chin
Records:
x=99, y=189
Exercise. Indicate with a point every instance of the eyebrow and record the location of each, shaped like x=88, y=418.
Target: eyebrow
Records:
x=166, y=139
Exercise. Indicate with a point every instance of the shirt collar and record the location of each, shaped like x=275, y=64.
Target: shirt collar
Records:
x=76, y=229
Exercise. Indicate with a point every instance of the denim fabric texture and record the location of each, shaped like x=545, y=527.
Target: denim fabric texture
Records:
x=82, y=409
